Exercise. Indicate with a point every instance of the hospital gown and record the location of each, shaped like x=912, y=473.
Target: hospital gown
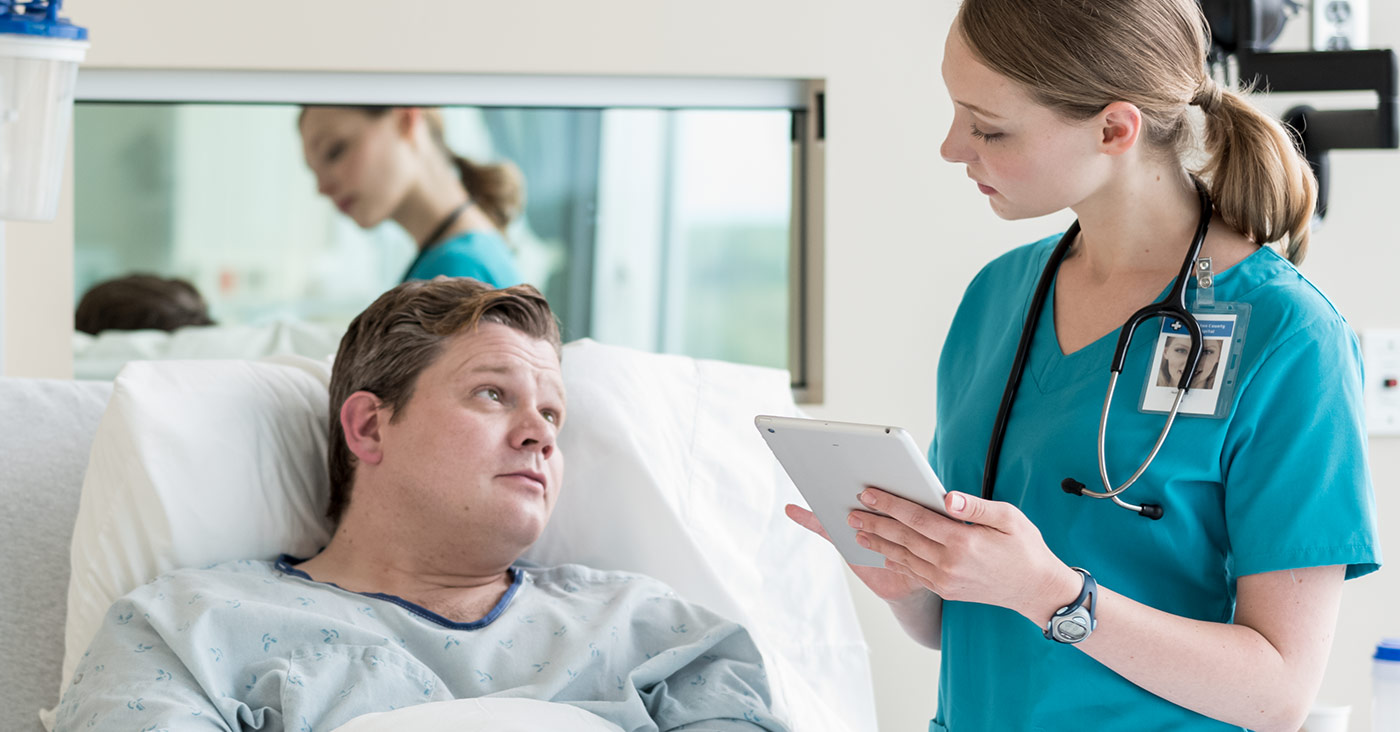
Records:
x=259, y=645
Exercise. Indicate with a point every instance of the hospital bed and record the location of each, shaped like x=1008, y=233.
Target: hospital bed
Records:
x=184, y=463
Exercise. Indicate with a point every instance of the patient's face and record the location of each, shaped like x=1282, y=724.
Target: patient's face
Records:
x=474, y=453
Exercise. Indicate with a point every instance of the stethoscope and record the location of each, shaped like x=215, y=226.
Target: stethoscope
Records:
x=1172, y=306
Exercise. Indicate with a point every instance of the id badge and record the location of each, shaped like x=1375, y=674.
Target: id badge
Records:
x=1212, y=388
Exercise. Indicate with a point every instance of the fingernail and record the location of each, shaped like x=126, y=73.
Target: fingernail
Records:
x=863, y=540
x=867, y=498
x=854, y=521
x=957, y=501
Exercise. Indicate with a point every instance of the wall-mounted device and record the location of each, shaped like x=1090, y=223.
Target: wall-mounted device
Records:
x=1340, y=25
x=1244, y=30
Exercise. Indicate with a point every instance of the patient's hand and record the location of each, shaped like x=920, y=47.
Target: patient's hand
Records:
x=889, y=585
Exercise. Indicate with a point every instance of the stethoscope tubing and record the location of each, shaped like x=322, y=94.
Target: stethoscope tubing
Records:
x=1173, y=306
x=1103, y=462
x=1018, y=364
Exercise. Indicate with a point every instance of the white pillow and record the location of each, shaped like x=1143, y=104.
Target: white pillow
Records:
x=197, y=462
x=100, y=357
x=193, y=463
x=482, y=714
x=666, y=475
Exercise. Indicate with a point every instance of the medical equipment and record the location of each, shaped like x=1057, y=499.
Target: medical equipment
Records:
x=1172, y=306
x=1385, y=686
x=39, y=57
x=1243, y=30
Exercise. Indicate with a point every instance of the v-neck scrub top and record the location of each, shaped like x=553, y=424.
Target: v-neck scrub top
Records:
x=481, y=255
x=1280, y=482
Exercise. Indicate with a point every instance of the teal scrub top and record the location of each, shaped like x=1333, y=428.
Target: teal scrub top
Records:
x=1280, y=482
x=481, y=255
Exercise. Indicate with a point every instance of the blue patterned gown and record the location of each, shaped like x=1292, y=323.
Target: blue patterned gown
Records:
x=254, y=645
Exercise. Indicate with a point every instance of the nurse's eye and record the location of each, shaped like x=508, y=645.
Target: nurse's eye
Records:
x=335, y=151
x=978, y=133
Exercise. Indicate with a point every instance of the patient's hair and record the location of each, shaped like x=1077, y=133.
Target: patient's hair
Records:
x=401, y=334
x=140, y=302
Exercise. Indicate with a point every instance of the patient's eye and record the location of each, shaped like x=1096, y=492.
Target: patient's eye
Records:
x=550, y=416
x=491, y=393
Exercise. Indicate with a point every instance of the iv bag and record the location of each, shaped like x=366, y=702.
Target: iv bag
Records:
x=37, y=80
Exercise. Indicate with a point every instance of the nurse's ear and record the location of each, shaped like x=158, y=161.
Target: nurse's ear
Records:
x=1119, y=125
x=407, y=120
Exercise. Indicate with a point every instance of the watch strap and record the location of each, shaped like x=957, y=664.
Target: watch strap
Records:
x=1075, y=621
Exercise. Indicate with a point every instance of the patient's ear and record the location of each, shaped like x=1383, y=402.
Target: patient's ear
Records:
x=359, y=418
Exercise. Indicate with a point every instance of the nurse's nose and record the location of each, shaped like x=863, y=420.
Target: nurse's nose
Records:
x=956, y=147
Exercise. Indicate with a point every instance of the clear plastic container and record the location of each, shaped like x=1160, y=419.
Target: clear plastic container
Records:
x=1385, y=687
x=37, y=79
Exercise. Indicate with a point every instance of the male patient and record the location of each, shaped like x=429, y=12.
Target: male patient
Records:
x=446, y=403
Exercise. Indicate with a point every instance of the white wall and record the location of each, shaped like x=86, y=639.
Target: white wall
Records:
x=1355, y=259
x=905, y=231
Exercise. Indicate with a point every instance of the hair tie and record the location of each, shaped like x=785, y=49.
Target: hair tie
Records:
x=1208, y=96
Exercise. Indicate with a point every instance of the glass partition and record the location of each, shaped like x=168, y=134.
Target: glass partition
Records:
x=668, y=230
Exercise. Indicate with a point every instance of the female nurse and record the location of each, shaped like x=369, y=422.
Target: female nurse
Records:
x=378, y=163
x=1219, y=615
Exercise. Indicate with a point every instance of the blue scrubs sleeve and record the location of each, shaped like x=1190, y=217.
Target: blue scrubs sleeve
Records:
x=1298, y=485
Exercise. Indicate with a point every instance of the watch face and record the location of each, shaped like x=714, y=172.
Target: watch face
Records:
x=1071, y=630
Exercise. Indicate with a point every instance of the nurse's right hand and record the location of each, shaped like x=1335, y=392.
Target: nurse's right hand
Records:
x=887, y=584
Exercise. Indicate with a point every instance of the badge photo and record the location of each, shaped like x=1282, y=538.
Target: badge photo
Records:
x=1214, y=370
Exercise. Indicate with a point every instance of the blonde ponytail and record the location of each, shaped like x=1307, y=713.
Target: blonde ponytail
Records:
x=498, y=189
x=1259, y=181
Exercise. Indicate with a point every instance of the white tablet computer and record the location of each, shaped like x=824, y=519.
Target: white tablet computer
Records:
x=832, y=462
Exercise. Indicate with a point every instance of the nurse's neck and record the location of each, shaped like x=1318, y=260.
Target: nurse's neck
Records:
x=1138, y=225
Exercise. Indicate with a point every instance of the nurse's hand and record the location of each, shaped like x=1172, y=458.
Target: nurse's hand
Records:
x=989, y=552
x=888, y=585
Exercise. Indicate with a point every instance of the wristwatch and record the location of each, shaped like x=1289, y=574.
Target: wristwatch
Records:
x=1075, y=621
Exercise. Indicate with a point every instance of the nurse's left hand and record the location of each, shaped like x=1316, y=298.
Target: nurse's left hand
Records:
x=997, y=557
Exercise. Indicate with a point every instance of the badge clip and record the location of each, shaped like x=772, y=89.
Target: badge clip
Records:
x=1205, y=282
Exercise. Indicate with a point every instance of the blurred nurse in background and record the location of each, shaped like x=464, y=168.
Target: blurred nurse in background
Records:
x=378, y=163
